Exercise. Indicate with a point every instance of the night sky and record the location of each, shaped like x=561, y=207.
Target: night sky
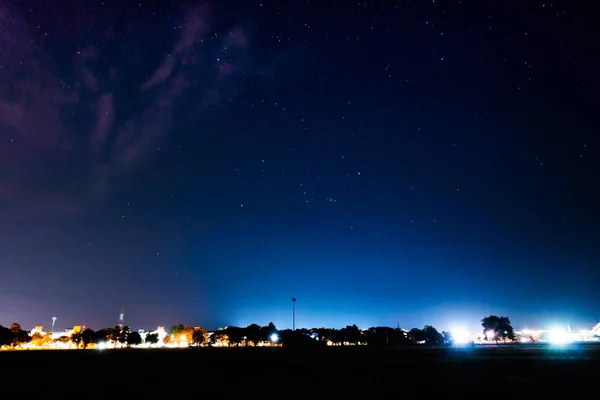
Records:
x=384, y=162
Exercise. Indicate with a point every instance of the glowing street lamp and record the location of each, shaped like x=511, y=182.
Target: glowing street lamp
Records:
x=558, y=337
x=293, y=320
x=460, y=337
x=293, y=313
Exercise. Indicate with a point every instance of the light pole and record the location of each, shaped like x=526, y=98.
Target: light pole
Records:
x=293, y=320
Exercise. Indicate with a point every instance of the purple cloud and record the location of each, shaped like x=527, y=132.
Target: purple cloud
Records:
x=237, y=37
x=162, y=73
x=39, y=140
x=105, y=116
x=90, y=80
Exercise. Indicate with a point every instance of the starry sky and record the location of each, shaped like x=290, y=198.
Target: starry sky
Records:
x=385, y=162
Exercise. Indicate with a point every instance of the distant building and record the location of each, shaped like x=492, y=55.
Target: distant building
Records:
x=65, y=333
x=38, y=329
x=160, y=331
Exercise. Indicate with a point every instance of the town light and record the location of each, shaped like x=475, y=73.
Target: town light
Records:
x=460, y=336
x=274, y=338
x=558, y=337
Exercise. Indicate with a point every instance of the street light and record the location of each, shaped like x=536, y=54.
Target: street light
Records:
x=293, y=320
x=293, y=313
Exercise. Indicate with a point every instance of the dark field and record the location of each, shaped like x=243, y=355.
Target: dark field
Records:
x=276, y=372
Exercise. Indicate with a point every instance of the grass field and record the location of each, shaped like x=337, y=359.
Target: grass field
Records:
x=276, y=372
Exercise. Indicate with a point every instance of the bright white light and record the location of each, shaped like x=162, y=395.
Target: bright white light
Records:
x=460, y=336
x=558, y=337
x=101, y=346
x=490, y=334
x=274, y=338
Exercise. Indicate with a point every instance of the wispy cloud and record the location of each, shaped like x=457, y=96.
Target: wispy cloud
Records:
x=42, y=145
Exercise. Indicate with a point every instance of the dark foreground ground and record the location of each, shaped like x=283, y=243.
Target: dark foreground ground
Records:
x=275, y=373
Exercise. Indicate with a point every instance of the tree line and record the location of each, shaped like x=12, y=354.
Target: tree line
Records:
x=494, y=329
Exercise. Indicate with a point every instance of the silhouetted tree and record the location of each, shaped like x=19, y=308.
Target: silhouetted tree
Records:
x=271, y=329
x=182, y=334
x=495, y=328
x=254, y=334
x=199, y=337
x=19, y=336
x=64, y=339
x=177, y=329
x=168, y=339
x=500, y=327
x=77, y=339
x=385, y=336
x=6, y=336
x=378, y=336
x=299, y=341
x=236, y=335
x=432, y=336
x=417, y=335
x=267, y=331
x=218, y=336
x=326, y=334
x=133, y=339
x=151, y=338
x=114, y=334
x=353, y=334
x=103, y=335
x=338, y=336
x=36, y=339
x=88, y=337
x=448, y=338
